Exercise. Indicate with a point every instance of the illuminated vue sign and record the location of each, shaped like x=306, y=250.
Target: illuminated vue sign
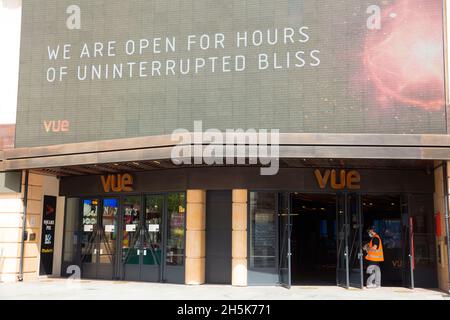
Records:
x=93, y=70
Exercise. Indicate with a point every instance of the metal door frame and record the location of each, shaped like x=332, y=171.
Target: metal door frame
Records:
x=113, y=262
x=122, y=271
x=408, y=239
x=342, y=197
x=286, y=235
x=161, y=268
x=164, y=233
x=96, y=243
x=360, y=224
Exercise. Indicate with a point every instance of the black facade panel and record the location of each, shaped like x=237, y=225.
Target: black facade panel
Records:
x=220, y=178
x=218, y=237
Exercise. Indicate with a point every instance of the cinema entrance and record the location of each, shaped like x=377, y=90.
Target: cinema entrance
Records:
x=322, y=238
x=134, y=237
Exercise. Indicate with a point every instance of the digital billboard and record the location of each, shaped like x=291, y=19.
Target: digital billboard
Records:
x=94, y=70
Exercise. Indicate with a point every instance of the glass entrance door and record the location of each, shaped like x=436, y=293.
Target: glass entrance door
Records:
x=349, y=269
x=98, y=244
x=89, y=237
x=152, y=240
x=355, y=253
x=407, y=244
x=132, y=229
x=284, y=269
x=142, y=238
x=342, y=265
x=107, y=238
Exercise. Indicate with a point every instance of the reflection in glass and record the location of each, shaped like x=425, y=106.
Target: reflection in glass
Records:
x=262, y=230
x=131, y=229
x=90, y=229
x=154, y=206
x=109, y=228
x=71, y=233
x=175, y=234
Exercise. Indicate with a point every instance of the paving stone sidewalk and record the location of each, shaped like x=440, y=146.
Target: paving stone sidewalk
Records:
x=61, y=289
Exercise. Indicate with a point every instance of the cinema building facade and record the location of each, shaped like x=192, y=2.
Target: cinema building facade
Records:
x=93, y=191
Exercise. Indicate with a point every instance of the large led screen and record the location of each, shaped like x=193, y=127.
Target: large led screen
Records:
x=94, y=70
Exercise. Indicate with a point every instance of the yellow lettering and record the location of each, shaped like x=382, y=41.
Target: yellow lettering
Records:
x=127, y=183
x=338, y=185
x=322, y=180
x=117, y=183
x=353, y=180
x=106, y=183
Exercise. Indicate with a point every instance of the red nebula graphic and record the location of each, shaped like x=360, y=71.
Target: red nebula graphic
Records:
x=405, y=58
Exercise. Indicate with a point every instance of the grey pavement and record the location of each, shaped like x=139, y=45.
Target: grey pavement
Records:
x=62, y=289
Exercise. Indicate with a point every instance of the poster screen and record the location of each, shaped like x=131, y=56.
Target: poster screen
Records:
x=93, y=70
x=48, y=235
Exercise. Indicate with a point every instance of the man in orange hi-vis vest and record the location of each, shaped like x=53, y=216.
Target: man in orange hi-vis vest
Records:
x=374, y=256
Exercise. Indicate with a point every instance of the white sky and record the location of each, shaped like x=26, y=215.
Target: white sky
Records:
x=10, y=16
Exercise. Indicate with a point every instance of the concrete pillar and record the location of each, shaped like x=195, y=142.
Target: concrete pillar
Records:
x=239, y=238
x=195, y=237
x=439, y=210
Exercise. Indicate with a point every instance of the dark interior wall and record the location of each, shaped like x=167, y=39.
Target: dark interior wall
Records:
x=218, y=237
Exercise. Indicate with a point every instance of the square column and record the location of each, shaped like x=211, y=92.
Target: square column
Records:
x=195, y=237
x=239, y=238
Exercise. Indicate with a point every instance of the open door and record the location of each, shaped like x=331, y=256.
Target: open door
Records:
x=349, y=267
x=342, y=265
x=285, y=227
x=407, y=245
x=355, y=254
